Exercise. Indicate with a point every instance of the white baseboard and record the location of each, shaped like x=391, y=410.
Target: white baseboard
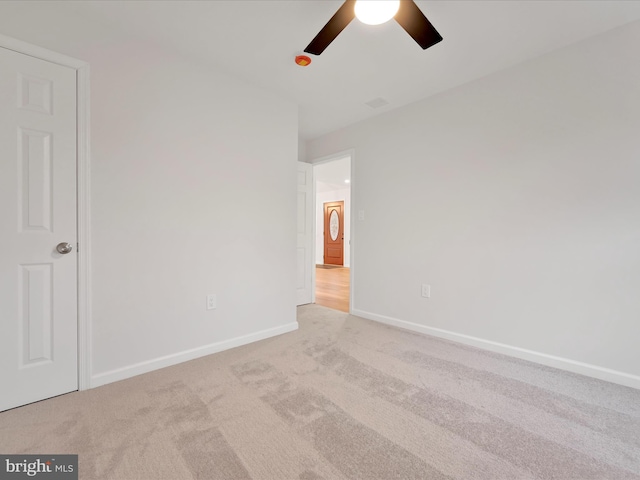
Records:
x=173, y=359
x=594, y=371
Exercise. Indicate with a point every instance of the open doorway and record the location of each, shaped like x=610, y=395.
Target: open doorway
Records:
x=333, y=232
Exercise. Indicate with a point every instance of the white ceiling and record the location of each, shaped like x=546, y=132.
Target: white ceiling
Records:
x=331, y=175
x=257, y=41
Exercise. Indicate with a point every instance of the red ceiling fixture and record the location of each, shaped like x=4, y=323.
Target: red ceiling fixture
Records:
x=303, y=60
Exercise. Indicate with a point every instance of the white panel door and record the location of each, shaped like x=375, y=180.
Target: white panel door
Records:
x=305, y=233
x=38, y=285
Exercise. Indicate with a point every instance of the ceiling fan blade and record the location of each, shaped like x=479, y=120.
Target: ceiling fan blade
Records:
x=332, y=29
x=411, y=18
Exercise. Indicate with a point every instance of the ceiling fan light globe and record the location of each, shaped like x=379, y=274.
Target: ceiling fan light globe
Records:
x=376, y=12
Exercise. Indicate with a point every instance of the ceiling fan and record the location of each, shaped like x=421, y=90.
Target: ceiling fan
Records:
x=405, y=12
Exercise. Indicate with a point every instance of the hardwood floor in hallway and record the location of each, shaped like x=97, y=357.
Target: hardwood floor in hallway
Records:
x=332, y=288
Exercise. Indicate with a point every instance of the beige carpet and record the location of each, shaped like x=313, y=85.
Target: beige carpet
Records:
x=341, y=398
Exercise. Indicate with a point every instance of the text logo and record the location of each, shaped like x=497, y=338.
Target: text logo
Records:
x=45, y=467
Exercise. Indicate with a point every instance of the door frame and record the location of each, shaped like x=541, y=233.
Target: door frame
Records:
x=309, y=204
x=83, y=194
x=351, y=153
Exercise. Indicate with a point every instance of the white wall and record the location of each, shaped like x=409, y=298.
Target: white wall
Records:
x=343, y=194
x=517, y=198
x=302, y=152
x=183, y=157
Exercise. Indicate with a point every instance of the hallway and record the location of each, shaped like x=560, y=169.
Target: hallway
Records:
x=332, y=287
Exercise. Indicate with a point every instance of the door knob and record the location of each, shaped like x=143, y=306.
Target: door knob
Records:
x=64, y=248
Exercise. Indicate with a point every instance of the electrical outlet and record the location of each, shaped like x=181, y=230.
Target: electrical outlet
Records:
x=361, y=215
x=426, y=290
x=211, y=302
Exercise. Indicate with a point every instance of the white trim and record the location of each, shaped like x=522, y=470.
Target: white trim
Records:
x=561, y=363
x=176, y=358
x=85, y=344
x=83, y=193
x=353, y=215
x=39, y=52
x=351, y=153
x=307, y=294
x=314, y=221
